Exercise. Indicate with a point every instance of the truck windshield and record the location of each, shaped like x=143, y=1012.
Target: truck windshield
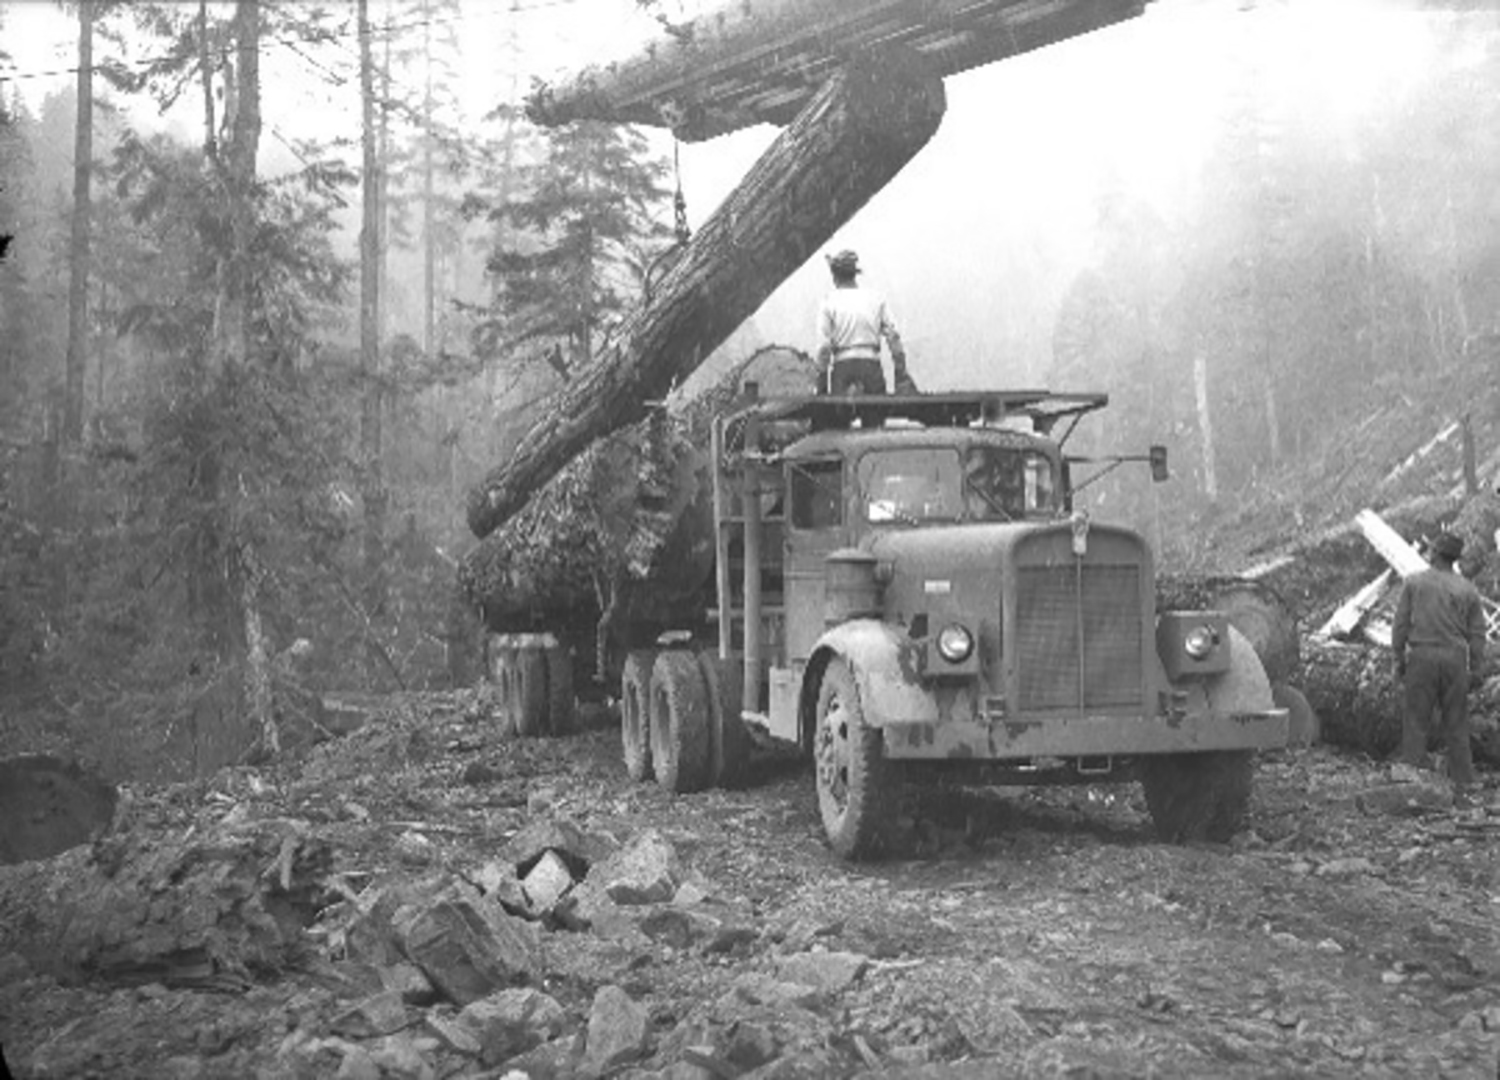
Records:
x=911, y=486
x=1006, y=483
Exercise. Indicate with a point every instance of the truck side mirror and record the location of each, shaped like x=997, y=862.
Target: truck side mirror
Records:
x=1158, y=458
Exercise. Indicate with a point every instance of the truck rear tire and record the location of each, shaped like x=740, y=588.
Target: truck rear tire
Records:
x=635, y=714
x=854, y=781
x=559, y=690
x=531, y=691
x=728, y=741
x=679, y=722
x=1200, y=796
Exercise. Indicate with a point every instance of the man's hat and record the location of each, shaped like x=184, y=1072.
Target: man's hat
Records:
x=845, y=262
x=1448, y=546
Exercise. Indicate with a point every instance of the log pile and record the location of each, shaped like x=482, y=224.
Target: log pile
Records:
x=635, y=507
x=1348, y=668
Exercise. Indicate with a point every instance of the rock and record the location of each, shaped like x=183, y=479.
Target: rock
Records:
x=758, y=988
x=407, y=980
x=678, y=928
x=644, y=871
x=563, y=836
x=512, y=1022
x=559, y=1059
x=730, y=937
x=398, y=1057
x=468, y=946
x=830, y=972
x=750, y=1045
x=547, y=883
x=458, y=1036
x=1404, y=799
x=617, y=1031
x=690, y=894
x=378, y=1014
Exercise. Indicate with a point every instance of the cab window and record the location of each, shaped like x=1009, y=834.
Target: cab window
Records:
x=910, y=487
x=817, y=494
x=1006, y=483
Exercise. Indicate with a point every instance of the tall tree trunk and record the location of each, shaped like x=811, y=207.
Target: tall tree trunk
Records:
x=78, y=246
x=1205, y=427
x=429, y=243
x=373, y=494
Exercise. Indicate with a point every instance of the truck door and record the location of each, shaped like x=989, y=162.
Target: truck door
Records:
x=815, y=527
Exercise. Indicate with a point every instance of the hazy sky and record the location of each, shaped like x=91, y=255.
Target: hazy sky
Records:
x=975, y=241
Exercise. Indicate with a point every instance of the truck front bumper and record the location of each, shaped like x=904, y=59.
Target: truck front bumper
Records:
x=1083, y=736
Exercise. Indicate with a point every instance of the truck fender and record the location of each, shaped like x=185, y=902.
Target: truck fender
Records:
x=886, y=667
x=1243, y=690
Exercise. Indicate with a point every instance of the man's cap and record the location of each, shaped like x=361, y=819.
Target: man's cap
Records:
x=1448, y=546
x=846, y=262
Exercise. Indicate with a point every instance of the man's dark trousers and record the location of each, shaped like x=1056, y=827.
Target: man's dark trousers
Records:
x=1437, y=682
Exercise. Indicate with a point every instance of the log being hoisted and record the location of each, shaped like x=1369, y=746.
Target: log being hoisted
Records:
x=760, y=61
x=852, y=138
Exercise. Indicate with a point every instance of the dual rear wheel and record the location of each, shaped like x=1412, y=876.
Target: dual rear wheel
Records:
x=679, y=720
x=535, y=685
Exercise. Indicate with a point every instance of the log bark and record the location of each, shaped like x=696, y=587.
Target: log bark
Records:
x=856, y=134
x=748, y=62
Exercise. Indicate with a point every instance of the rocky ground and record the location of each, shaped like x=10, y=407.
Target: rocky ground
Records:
x=427, y=898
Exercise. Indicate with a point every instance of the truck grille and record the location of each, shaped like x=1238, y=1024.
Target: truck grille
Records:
x=1078, y=630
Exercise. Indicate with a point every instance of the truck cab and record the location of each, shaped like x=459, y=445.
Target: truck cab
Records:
x=905, y=589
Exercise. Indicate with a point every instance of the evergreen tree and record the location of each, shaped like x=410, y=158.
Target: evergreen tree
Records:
x=585, y=219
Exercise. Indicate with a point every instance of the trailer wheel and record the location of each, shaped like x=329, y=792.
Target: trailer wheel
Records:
x=635, y=720
x=679, y=722
x=531, y=691
x=854, y=781
x=505, y=678
x=728, y=741
x=1201, y=796
x=559, y=690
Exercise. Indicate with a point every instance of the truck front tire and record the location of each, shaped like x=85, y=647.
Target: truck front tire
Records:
x=1200, y=796
x=854, y=781
x=635, y=712
x=679, y=722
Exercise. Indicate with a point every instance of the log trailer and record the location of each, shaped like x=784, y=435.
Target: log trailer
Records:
x=903, y=588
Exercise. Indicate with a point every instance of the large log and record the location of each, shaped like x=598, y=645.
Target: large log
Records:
x=759, y=61
x=855, y=135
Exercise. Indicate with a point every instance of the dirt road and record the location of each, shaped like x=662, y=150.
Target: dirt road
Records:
x=1014, y=933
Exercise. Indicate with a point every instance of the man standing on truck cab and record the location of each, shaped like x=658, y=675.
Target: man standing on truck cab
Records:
x=851, y=323
x=1439, y=644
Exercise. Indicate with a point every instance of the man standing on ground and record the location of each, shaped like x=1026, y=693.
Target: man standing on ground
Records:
x=1440, y=623
x=851, y=324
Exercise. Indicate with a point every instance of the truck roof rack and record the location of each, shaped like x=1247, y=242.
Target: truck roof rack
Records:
x=958, y=408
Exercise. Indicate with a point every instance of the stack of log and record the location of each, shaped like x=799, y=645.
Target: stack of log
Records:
x=636, y=507
x=1348, y=667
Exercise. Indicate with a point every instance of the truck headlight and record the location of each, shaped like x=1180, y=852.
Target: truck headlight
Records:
x=954, y=643
x=1200, y=641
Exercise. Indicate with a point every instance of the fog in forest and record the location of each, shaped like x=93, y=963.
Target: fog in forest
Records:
x=226, y=424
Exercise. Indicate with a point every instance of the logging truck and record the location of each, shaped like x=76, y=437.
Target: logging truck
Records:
x=904, y=590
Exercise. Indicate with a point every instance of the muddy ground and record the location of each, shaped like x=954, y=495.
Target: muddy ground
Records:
x=1013, y=933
